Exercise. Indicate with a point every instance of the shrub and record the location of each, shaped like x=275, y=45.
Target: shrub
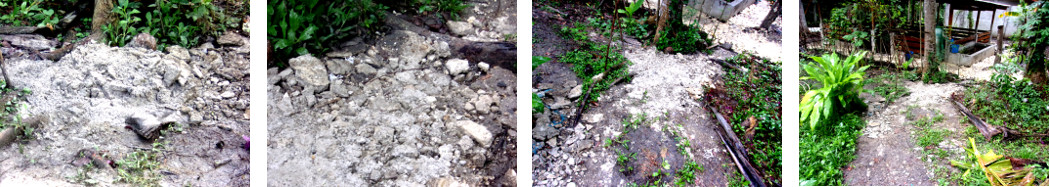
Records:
x=688, y=40
x=841, y=80
x=186, y=22
x=451, y=7
x=28, y=13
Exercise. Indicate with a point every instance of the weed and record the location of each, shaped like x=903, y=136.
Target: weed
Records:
x=539, y=60
x=889, y=86
x=123, y=30
x=29, y=13
x=687, y=175
x=755, y=94
x=737, y=180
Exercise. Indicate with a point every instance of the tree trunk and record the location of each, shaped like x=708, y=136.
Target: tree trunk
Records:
x=773, y=14
x=803, y=25
x=929, y=32
x=102, y=16
x=1035, y=70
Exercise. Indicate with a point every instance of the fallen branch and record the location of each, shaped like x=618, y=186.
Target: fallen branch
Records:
x=989, y=131
x=3, y=69
x=727, y=64
x=986, y=130
x=737, y=151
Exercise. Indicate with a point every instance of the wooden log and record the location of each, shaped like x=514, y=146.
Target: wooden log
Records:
x=986, y=130
x=738, y=151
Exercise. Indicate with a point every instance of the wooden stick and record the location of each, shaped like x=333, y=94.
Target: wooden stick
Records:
x=737, y=151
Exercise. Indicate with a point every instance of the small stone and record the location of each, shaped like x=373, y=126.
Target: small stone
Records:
x=365, y=69
x=476, y=131
x=460, y=28
x=483, y=66
x=231, y=38
x=144, y=40
x=227, y=94
x=594, y=118
x=456, y=66
x=576, y=92
x=543, y=132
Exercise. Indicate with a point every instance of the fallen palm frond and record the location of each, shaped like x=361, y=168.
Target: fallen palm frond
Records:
x=1000, y=170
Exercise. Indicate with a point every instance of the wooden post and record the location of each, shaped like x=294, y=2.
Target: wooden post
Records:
x=998, y=53
x=993, y=12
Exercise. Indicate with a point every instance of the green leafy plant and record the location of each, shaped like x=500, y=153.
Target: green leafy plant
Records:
x=842, y=81
x=828, y=149
x=186, y=22
x=123, y=30
x=28, y=13
x=591, y=62
x=300, y=27
x=857, y=37
x=537, y=104
x=451, y=7
x=539, y=60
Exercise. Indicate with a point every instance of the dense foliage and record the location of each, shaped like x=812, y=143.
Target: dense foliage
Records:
x=299, y=27
x=1015, y=104
x=827, y=149
x=174, y=22
x=755, y=94
x=590, y=62
x=841, y=82
x=28, y=13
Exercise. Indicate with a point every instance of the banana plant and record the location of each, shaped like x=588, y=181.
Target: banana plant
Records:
x=842, y=80
x=998, y=169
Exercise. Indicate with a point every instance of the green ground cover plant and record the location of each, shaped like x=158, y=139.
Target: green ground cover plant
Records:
x=828, y=149
x=753, y=96
x=299, y=27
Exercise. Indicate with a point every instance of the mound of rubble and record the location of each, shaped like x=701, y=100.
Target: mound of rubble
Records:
x=401, y=113
x=87, y=98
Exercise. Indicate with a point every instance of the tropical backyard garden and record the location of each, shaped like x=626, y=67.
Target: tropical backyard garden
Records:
x=908, y=92
x=656, y=93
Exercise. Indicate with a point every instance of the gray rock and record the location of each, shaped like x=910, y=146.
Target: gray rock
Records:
x=405, y=151
x=178, y=53
x=365, y=69
x=483, y=103
x=560, y=102
x=594, y=118
x=543, y=132
x=476, y=131
x=339, y=66
x=311, y=72
x=456, y=66
x=231, y=38
x=460, y=28
x=144, y=40
x=576, y=92
x=30, y=41
x=408, y=46
x=343, y=90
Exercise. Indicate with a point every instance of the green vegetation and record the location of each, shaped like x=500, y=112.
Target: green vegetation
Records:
x=28, y=13
x=178, y=22
x=451, y=8
x=598, y=69
x=537, y=104
x=889, y=86
x=1014, y=104
x=841, y=80
x=827, y=149
x=299, y=27
x=754, y=97
x=140, y=168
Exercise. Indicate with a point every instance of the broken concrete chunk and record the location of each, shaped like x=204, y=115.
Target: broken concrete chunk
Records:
x=460, y=28
x=456, y=66
x=476, y=131
x=311, y=71
x=576, y=92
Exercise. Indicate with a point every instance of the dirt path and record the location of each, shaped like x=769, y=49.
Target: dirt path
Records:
x=87, y=96
x=887, y=154
x=737, y=31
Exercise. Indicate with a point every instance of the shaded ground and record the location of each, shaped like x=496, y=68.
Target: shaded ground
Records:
x=86, y=97
x=398, y=111
x=565, y=155
x=887, y=152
